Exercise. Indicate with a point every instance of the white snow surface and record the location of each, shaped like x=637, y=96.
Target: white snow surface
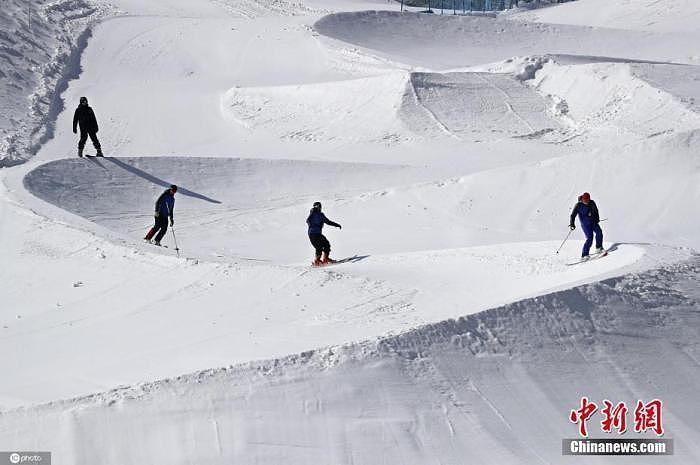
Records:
x=40, y=46
x=490, y=387
x=644, y=15
x=450, y=148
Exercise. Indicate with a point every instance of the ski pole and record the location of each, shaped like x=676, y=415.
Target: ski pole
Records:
x=565, y=239
x=172, y=230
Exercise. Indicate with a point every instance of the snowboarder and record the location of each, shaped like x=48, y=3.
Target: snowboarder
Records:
x=85, y=118
x=588, y=216
x=316, y=220
x=164, y=210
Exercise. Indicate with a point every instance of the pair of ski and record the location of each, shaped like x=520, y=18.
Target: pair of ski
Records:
x=354, y=258
x=592, y=257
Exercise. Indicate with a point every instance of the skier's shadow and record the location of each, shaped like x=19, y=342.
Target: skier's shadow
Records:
x=158, y=181
x=617, y=245
x=353, y=259
x=95, y=161
x=614, y=247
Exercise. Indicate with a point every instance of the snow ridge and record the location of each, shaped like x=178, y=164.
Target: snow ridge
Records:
x=479, y=378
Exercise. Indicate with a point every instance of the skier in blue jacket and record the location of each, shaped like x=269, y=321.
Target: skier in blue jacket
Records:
x=165, y=206
x=316, y=220
x=588, y=216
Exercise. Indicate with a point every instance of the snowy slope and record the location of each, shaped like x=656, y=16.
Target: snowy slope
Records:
x=441, y=42
x=451, y=149
x=180, y=315
x=492, y=387
x=646, y=15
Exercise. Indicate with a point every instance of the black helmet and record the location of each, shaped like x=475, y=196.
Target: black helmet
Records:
x=83, y=100
x=173, y=188
x=317, y=205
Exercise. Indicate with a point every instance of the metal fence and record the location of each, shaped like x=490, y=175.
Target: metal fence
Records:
x=464, y=6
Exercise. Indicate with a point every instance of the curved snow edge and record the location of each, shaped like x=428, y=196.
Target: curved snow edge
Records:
x=517, y=330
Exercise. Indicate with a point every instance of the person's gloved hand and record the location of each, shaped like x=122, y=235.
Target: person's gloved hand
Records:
x=340, y=227
x=572, y=227
x=75, y=131
x=172, y=222
x=156, y=215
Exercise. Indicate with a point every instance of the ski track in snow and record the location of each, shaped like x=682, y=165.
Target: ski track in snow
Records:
x=455, y=146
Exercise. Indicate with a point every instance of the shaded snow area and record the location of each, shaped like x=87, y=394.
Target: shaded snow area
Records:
x=491, y=386
x=451, y=149
x=456, y=41
x=40, y=47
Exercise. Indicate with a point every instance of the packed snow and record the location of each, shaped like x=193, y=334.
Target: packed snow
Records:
x=451, y=149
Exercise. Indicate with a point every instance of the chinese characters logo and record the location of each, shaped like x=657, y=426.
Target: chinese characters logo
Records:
x=647, y=416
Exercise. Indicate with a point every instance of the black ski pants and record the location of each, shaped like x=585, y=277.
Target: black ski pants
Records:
x=320, y=243
x=161, y=227
x=93, y=137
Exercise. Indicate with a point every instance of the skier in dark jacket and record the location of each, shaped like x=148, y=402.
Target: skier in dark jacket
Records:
x=164, y=210
x=588, y=216
x=316, y=220
x=85, y=118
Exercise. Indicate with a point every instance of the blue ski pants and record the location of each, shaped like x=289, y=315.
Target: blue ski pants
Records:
x=588, y=230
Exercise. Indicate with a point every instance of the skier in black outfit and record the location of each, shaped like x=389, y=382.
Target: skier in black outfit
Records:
x=316, y=220
x=164, y=210
x=85, y=118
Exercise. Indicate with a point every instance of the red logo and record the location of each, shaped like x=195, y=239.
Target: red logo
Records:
x=614, y=417
x=646, y=416
x=582, y=415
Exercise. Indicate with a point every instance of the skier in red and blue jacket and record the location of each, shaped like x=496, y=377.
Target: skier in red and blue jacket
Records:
x=589, y=217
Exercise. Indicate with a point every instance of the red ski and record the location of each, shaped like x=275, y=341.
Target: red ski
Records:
x=354, y=258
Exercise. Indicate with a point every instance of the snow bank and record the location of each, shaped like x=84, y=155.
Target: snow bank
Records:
x=342, y=111
x=645, y=189
x=441, y=42
x=646, y=15
x=495, y=387
x=634, y=101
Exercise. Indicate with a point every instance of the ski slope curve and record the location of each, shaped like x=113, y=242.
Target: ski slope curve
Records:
x=494, y=387
x=444, y=42
x=237, y=308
